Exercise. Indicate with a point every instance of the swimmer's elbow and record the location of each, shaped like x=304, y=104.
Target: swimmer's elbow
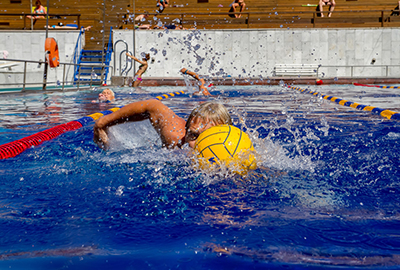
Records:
x=100, y=123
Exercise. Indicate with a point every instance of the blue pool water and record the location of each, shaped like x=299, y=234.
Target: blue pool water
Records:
x=326, y=194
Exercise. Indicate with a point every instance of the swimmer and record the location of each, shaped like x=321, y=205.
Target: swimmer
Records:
x=106, y=96
x=202, y=88
x=142, y=68
x=172, y=129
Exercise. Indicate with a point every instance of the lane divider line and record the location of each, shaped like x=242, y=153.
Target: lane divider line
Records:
x=382, y=112
x=15, y=148
x=379, y=86
x=165, y=96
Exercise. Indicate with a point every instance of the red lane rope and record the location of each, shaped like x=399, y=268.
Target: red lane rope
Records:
x=15, y=148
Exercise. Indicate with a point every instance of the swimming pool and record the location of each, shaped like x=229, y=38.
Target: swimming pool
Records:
x=325, y=195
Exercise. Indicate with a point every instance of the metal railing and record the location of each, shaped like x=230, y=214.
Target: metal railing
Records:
x=126, y=68
x=77, y=51
x=62, y=83
x=56, y=17
x=51, y=16
x=108, y=54
x=381, y=18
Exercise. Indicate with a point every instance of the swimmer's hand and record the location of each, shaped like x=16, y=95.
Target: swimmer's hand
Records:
x=100, y=136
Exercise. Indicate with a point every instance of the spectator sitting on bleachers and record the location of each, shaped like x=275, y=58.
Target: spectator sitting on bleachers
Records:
x=140, y=19
x=162, y=4
x=39, y=9
x=236, y=4
x=143, y=26
x=396, y=11
x=330, y=3
x=67, y=26
x=128, y=18
x=172, y=27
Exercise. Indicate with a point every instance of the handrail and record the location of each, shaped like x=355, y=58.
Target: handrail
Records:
x=77, y=50
x=109, y=45
x=64, y=81
x=50, y=15
x=35, y=14
x=126, y=69
x=78, y=17
x=265, y=12
x=120, y=57
x=246, y=15
x=108, y=53
x=313, y=15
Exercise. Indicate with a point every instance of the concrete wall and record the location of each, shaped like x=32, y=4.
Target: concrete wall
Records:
x=29, y=45
x=217, y=53
x=253, y=53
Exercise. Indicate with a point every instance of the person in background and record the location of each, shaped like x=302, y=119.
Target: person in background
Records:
x=140, y=19
x=107, y=95
x=39, y=9
x=162, y=4
x=330, y=3
x=202, y=88
x=142, y=68
x=396, y=11
x=172, y=27
x=237, y=4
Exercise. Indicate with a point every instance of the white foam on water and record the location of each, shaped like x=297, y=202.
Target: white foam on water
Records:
x=133, y=135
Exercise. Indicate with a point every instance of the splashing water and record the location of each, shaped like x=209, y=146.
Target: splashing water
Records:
x=326, y=185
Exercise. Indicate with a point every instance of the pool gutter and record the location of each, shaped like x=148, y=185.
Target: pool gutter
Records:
x=179, y=81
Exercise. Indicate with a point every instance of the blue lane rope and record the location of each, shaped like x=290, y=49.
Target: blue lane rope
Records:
x=379, y=86
x=382, y=112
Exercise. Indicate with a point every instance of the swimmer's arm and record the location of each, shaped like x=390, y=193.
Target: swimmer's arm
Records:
x=134, y=111
x=159, y=115
x=191, y=73
x=134, y=58
x=162, y=118
x=202, y=86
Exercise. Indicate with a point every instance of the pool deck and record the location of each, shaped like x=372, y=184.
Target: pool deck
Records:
x=178, y=81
